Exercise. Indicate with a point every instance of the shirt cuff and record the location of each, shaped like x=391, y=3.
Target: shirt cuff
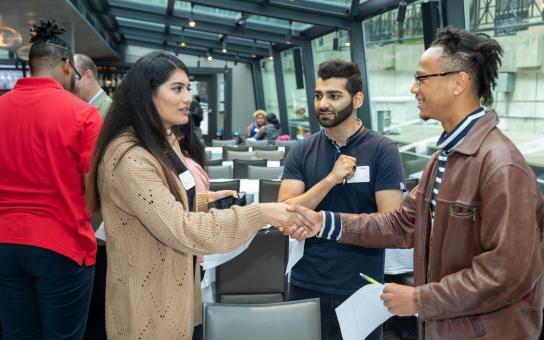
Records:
x=332, y=226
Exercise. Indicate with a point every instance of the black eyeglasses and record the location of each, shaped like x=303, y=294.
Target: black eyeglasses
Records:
x=73, y=68
x=420, y=79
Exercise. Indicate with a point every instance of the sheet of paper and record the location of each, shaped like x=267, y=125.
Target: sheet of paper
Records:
x=296, y=251
x=362, y=312
x=100, y=233
x=214, y=260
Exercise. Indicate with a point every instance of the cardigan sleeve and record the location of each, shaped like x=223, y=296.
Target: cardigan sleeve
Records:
x=137, y=184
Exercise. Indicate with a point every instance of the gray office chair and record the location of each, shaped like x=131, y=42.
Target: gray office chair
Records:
x=225, y=185
x=285, y=142
x=219, y=171
x=258, y=274
x=232, y=155
x=261, y=172
x=268, y=190
x=233, y=148
x=276, y=155
x=263, y=142
x=294, y=320
x=214, y=162
x=265, y=148
x=240, y=166
x=216, y=142
x=208, y=155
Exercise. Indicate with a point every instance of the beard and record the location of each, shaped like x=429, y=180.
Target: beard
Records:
x=339, y=116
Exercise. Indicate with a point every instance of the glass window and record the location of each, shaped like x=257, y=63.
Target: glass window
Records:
x=158, y=3
x=152, y=26
x=295, y=97
x=519, y=95
x=324, y=48
x=392, y=57
x=269, y=87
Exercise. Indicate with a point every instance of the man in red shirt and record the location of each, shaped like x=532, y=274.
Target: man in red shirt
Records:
x=47, y=245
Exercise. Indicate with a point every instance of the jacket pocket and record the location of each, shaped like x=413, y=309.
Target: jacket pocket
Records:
x=461, y=210
x=477, y=326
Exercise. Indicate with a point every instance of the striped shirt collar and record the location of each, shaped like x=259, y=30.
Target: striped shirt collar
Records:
x=448, y=141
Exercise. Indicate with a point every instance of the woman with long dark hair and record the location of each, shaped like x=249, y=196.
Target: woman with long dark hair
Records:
x=271, y=129
x=155, y=222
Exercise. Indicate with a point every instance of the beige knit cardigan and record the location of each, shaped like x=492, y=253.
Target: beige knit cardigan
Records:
x=150, y=286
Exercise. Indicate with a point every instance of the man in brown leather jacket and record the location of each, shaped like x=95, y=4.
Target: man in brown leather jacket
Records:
x=475, y=220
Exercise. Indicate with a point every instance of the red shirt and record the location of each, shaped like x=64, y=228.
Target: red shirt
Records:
x=47, y=136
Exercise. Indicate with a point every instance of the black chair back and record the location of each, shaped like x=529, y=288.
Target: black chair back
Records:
x=268, y=190
x=233, y=148
x=240, y=166
x=214, y=162
x=225, y=185
x=265, y=147
x=258, y=274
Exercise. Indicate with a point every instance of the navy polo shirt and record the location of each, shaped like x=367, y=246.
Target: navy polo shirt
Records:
x=327, y=266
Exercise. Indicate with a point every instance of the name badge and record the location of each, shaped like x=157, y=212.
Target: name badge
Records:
x=187, y=180
x=361, y=175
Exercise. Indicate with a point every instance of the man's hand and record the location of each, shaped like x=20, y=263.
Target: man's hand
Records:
x=344, y=168
x=399, y=299
x=312, y=227
x=279, y=215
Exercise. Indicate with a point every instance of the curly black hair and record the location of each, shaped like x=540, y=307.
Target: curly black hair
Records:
x=47, y=46
x=475, y=53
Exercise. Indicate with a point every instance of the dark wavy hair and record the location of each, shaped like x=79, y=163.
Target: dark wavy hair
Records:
x=475, y=53
x=337, y=68
x=189, y=143
x=47, y=46
x=272, y=119
x=133, y=109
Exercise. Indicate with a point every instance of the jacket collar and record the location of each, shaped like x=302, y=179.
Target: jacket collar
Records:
x=475, y=137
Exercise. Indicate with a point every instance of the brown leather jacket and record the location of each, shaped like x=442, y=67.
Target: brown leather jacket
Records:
x=478, y=269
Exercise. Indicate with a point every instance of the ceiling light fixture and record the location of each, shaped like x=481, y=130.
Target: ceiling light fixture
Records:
x=209, y=55
x=183, y=44
x=253, y=53
x=289, y=34
x=9, y=37
x=224, y=44
x=192, y=21
x=270, y=52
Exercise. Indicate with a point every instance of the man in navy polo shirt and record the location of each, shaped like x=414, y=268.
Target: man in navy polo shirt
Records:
x=344, y=168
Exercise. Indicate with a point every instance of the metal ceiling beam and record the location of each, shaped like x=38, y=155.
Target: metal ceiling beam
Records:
x=135, y=41
x=193, y=41
x=88, y=12
x=306, y=15
x=372, y=8
x=207, y=23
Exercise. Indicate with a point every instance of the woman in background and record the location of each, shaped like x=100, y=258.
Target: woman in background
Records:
x=139, y=180
x=271, y=130
x=253, y=129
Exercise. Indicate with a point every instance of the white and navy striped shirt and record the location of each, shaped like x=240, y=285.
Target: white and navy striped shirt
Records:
x=332, y=223
x=447, y=143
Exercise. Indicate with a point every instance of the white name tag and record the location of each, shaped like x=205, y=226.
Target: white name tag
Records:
x=361, y=175
x=187, y=179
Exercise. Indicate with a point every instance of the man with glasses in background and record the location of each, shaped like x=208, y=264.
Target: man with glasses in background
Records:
x=346, y=167
x=47, y=244
x=475, y=220
x=87, y=87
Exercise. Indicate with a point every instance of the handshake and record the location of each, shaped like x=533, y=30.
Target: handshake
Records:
x=293, y=220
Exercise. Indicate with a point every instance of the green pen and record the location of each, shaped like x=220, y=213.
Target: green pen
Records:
x=369, y=279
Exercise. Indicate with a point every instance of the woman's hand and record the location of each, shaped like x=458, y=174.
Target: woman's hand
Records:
x=217, y=195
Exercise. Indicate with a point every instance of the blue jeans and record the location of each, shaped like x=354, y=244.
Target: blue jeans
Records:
x=330, y=329
x=43, y=295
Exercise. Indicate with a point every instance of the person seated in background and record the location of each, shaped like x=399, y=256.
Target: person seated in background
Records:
x=155, y=221
x=270, y=130
x=300, y=113
x=87, y=87
x=253, y=129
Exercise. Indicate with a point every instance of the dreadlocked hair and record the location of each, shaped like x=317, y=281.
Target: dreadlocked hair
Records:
x=475, y=53
x=47, y=46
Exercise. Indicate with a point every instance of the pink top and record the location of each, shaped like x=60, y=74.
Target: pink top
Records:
x=202, y=181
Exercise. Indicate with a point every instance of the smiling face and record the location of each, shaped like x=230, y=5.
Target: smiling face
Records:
x=434, y=94
x=172, y=99
x=333, y=103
